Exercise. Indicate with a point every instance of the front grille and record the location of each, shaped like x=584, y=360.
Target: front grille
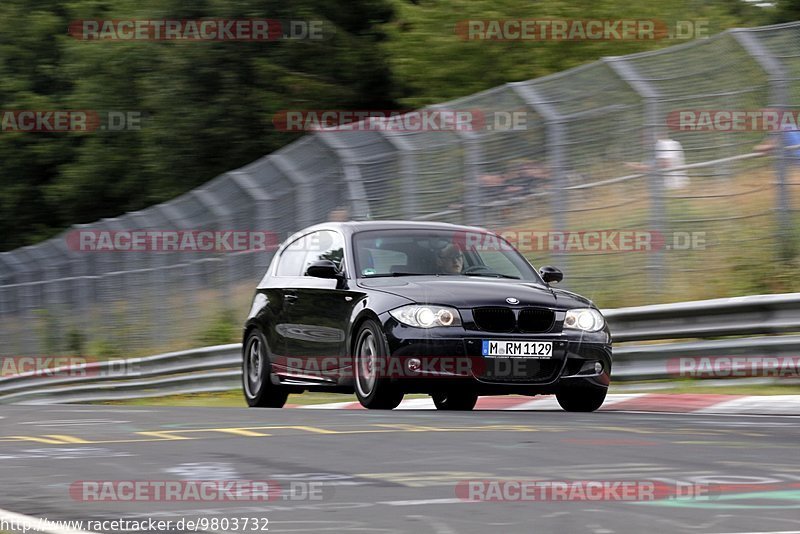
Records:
x=501, y=319
x=523, y=370
x=535, y=320
x=494, y=319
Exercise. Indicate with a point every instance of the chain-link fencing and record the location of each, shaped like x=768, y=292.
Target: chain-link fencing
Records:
x=599, y=159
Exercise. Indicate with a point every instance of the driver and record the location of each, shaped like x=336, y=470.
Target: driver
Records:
x=450, y=259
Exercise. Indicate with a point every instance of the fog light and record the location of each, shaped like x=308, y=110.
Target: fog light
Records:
x=598, y=367
x=413, y=364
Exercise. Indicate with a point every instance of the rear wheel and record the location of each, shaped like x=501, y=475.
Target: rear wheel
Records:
x=455, y=400
x=373, y=389
x=259, y=391
x=580, y=398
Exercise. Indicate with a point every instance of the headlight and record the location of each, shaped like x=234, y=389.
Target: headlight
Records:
x=426, y=316
x=585, y=319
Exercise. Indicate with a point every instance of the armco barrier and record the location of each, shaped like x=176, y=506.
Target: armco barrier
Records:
x=218, y=368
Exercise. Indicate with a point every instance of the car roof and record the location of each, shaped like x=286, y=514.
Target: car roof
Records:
x=351, y=227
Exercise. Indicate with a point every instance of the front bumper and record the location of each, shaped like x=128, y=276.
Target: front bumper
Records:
x=451, y=357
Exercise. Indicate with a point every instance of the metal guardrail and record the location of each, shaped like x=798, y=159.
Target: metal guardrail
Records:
x=736, y=316
x=218, y=368
x=191, y=371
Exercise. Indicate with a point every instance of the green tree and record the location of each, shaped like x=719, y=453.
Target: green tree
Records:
x=786, y=11
x=207, y=107
x=433, y=63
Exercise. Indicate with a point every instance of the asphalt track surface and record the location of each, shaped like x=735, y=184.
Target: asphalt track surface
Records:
x=394, y=472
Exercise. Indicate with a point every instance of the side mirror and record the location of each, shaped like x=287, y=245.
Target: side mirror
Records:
x=551, y=275
x=323, y=269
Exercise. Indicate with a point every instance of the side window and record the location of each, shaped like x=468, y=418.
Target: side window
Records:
x=324, y=245
x=291, y=260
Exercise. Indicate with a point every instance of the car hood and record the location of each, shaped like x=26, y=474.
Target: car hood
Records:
x=469, y=292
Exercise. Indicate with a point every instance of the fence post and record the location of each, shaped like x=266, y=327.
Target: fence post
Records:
x=473, y=156
x=653, y=122
x=779, y=98
x=556, y=160
x=356, y=194
x=408, y=173
x=305, y=191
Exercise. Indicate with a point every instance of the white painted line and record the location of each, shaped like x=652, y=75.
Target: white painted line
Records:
x=765, y=532
x=550, y=402
x=542, y=403
x=37, y=524
x=417, y=404
x=620, y=397
x=329, y=406
x=758, y=404
x=705, y=414
x=99, y=408
x=452, y=500
x=752, y=406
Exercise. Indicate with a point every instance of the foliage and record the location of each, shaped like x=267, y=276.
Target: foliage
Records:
x=224, y=328
x=433, y=64
x=207, y=107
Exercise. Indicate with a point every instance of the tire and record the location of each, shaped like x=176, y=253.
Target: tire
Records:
x=455, y=400
x=581, y=398
x=374, y=392
x=259, y=391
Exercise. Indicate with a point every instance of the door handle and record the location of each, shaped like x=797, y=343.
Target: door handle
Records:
x=348, y=299
x=290, y=298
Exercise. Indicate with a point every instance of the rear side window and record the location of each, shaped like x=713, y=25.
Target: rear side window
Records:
x=324, y=245
x=302, y=252
x=291, y=261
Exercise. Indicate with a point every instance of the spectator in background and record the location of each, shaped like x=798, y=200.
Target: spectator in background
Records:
x=791, y=137
x=339, y=214
x=669, y=154
x=524, y=177
x=492, y=185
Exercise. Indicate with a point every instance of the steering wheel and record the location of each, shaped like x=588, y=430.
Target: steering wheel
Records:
x=475, y=269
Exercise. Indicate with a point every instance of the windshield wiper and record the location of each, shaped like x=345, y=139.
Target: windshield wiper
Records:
x=492, y=275
x=398, y=273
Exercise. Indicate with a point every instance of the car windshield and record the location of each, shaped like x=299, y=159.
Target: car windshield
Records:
x=383, y=253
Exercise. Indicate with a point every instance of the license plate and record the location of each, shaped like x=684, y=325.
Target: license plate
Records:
x=518, y=349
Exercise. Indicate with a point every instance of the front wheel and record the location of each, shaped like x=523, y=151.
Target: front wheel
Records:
x=580, y=398
x=373, y=390
x=259, y=391
x=456, y=401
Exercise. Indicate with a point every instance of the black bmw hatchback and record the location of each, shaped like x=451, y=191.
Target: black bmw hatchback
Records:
x=386, y=308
